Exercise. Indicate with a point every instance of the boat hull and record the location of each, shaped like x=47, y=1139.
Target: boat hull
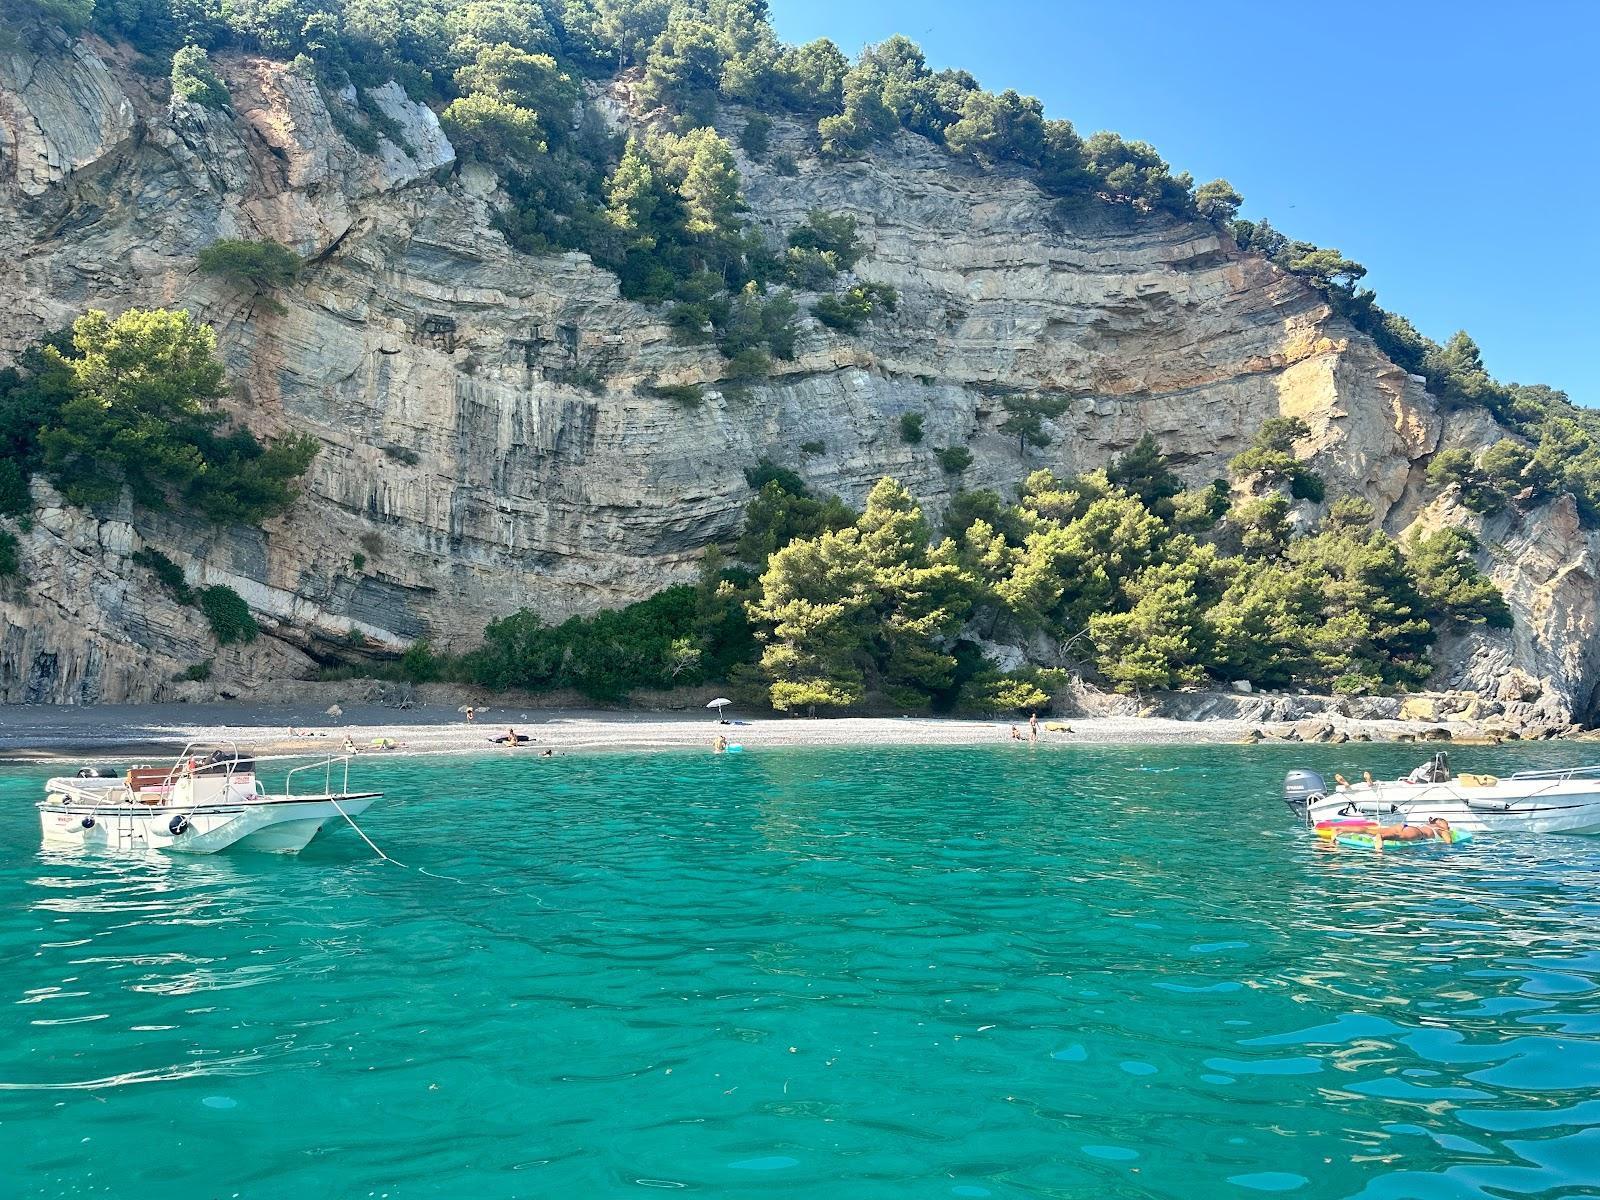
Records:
x=281, y=826
x=1509, y=807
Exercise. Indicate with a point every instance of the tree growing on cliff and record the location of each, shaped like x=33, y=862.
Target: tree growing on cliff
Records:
x=1450, y=582
x=71, y=15
x=195, y=81
x=1217, y=200
x=1270, y=462
x=261, y=267
x=1026, y=415
x=493, y=129
x=139, y=415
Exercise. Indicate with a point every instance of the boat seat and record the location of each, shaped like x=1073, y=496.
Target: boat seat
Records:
x=1466, y=779
x=142, y=779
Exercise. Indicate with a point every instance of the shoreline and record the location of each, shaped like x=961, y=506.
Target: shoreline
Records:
x=43, y=733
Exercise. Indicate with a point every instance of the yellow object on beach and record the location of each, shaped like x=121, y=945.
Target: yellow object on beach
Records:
x=1057, y=727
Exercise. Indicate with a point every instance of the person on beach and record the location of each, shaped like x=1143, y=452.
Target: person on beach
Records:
x=1033, y=727
x=472, y=714
x=1016, y=734
x=349, y=744
x=512, y=739
x=719, y=745
x=1437, y=827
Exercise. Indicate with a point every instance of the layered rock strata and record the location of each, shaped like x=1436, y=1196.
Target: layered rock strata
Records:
x=491, y=439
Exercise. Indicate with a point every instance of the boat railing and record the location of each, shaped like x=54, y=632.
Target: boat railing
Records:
x=83, y=795
x=197, y=756
x=1590, y=772
x=327, y=766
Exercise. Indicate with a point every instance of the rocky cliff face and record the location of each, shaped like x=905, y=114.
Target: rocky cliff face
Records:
x=490, y=439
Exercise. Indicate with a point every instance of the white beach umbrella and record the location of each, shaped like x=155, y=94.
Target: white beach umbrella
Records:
x=718, y=704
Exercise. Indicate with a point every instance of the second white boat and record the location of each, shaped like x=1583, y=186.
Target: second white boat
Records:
x=209, y=800
x=1566, y=801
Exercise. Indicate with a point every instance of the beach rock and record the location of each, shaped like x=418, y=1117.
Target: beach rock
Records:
x=1374, y=708
x=1242, y=685
x=491, y=437
x=1419, y=708
x=1313, y=731
x=1437, y=734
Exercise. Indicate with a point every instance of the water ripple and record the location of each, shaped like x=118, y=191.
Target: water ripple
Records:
x=855, y=974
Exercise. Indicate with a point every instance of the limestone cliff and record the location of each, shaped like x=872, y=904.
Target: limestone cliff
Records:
x=490, y=437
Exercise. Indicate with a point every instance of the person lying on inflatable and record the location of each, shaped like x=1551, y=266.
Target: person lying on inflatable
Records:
x=1437, y=827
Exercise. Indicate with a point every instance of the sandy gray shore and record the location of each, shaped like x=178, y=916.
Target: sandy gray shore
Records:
x=45, y=731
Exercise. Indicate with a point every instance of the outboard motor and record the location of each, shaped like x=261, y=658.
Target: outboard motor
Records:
x=1302, y=789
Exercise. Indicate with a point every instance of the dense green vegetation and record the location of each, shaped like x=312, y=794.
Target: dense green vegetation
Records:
x=666, y=212
x=10, y=561
x=663, y=211
x=1562, y=451
x=127, y=402
x=1142, y=584
x=193, y=79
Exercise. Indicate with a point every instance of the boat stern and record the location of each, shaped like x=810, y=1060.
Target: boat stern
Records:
x=1302, y=789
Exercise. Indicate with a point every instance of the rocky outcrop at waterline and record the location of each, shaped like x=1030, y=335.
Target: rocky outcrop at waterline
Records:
x=494, y=435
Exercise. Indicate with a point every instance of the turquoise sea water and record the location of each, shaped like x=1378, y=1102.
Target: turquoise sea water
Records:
x=908, y=973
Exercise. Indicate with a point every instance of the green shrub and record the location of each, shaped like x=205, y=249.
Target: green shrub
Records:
x=812, y=447
x=229, y=615
x=1026, y=690
x=1358, y=683
x=15, y=498
x=756, y=135
x=10, y=558
x=955, y=459
x=648, y=644
x=196, y=672
x=1450, y=582
x=168, y=574
x=420, y=664
x=688, y=395
x=911, y=427
x=402, y=454
x=358, y=562
x=195, y=81
x=850, y=310
x=751, y=363
x=359, y=134
x=766, y=471
x=586, y=378
x=1307, y=485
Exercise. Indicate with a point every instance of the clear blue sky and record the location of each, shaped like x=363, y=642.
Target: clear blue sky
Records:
x=1453, y=148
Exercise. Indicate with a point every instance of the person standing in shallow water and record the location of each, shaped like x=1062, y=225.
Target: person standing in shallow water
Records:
x=1033, y=729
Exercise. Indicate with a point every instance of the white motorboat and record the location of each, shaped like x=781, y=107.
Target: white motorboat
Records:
x=1528, y=802
x=209, y=800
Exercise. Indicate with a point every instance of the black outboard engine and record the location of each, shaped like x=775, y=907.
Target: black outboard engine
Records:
x=1301, y=789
